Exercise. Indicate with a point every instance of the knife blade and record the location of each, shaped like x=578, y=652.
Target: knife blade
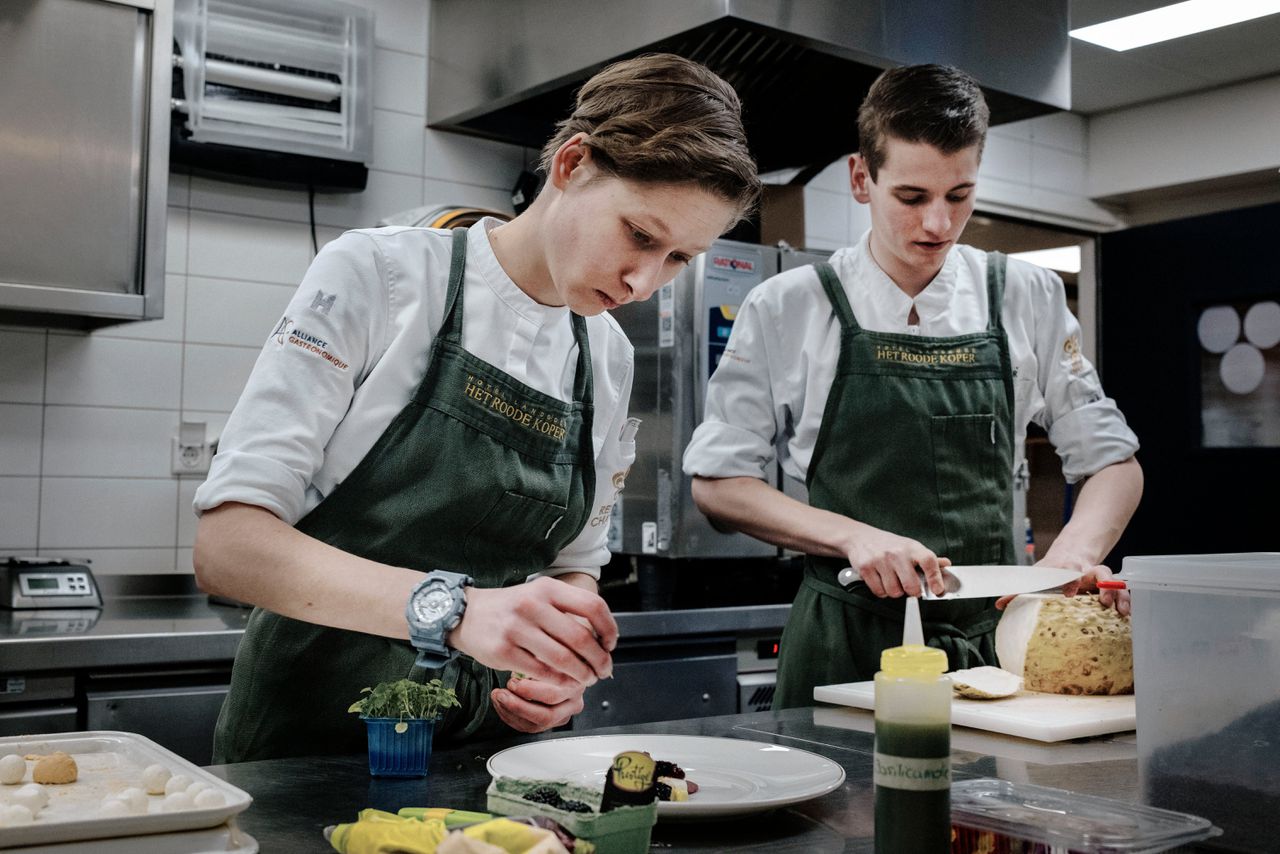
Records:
x=975, y=582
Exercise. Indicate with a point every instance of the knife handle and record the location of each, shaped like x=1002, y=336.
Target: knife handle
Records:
x=1112, y=585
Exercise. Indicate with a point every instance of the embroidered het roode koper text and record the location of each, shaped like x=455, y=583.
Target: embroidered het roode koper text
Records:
x=521, y=414
x=959, y=356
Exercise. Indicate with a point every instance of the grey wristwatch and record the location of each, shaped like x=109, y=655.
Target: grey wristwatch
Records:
x=435, y=608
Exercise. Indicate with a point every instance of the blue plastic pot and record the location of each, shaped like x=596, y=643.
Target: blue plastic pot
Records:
x=399, y=748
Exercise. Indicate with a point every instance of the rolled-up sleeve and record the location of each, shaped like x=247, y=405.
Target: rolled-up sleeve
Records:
x=1086, y=427
x=740, y=423
x=302, y=383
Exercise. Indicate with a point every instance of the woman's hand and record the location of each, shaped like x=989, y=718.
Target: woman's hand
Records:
x=531, y=705
x=556, y=633
x=887, y=562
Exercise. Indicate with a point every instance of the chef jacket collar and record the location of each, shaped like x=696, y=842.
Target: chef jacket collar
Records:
x=932, y=303
x=481, y=259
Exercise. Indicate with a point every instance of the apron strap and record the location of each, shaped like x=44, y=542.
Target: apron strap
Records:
x=584, y=400
x=996, y=264
x=582, y=379
x=451, y=329
x=835, y=293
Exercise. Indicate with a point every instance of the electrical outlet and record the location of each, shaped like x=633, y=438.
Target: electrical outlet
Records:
x=191, y=449
x=190, y=459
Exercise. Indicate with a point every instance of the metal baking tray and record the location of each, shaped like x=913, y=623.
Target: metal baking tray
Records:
x=109, y=762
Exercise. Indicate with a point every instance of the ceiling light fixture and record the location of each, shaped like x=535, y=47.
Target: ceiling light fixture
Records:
x=1171, y=22
x=1064, y=259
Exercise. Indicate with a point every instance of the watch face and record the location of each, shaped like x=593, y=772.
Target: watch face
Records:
x=432, y=604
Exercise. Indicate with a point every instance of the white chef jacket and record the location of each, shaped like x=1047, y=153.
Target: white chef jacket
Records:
x=770, y=390
x=353, y=346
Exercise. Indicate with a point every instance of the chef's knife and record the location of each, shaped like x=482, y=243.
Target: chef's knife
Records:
x=974, y=582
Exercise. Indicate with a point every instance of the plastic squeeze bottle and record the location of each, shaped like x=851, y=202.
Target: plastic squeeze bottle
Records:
x=913, y=752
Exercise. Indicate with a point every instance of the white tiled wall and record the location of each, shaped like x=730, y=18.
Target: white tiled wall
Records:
x=1033, y=169
x=86, y=419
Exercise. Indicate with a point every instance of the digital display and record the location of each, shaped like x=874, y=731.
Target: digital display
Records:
x=719, y=329
x=42, y=583
x=767, y=648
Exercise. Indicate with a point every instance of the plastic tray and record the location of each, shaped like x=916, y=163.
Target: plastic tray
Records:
x=109, y=762
x=624, y=830
x=1068, y=821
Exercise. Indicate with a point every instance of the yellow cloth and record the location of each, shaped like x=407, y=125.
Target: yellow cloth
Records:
x=378, y=832
x=501, y=836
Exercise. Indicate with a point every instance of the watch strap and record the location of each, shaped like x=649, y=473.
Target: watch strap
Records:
x=430, y=641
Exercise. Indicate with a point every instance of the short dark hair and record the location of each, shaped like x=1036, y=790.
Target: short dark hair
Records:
x=934, y=104
x=663, y=118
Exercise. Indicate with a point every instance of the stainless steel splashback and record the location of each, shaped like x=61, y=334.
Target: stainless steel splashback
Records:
x=507, y=70
x=679, y=335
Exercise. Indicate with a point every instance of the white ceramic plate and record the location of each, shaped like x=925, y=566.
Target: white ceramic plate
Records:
x=734, y=776
x=108, y=762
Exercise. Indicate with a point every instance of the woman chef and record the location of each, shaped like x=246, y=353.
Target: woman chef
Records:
x=424, y=458
x=899, y=381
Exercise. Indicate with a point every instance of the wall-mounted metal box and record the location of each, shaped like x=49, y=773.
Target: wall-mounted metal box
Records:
x=84, y=159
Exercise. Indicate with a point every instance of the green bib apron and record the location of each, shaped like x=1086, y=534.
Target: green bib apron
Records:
x=479, y=473
x=916, y=439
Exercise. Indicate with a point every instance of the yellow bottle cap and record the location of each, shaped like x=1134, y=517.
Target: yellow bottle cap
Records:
x=913, y=660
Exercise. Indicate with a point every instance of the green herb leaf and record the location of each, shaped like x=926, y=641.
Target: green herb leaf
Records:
x=405, y=698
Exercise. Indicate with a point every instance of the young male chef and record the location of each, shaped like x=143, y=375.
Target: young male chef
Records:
x=898, y=381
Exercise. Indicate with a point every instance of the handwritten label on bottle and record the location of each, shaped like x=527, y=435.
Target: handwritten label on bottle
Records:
x=912, y=773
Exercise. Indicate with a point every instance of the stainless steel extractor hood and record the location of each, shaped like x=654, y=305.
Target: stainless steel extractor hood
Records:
x=507, y=69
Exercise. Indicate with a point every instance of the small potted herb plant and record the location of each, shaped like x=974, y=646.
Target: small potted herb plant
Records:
x=401, y=718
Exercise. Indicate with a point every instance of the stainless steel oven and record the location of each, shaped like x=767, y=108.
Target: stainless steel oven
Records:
x=679, y=336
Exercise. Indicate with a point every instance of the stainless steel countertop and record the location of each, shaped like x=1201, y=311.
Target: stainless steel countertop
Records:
x=182, y=629
x=295, y=798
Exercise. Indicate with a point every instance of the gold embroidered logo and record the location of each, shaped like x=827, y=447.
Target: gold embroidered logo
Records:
x=1072, y=349
x=958, y=356
x=533, y=418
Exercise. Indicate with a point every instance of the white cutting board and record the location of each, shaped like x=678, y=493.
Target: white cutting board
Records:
x=1029, y=714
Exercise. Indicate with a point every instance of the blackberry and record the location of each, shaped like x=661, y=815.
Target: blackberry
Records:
x=574, y=806
x=662, y=790
x=544, y=795
x=663, y=768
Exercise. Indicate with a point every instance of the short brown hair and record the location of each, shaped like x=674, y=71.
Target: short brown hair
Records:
x=934, y=104
x=662, y=118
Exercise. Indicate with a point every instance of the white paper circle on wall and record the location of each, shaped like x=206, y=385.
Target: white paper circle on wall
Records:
x=1219, y=327
x=1262, y=324
x=1242, y=368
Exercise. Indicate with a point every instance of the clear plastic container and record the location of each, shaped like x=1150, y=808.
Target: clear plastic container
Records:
x=989, y=815
x=1206, y=655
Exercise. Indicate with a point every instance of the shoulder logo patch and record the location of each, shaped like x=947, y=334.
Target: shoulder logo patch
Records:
x=288, y=334
x=322, y=302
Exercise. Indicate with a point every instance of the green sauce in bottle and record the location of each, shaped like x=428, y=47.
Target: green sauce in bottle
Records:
x=912, y=764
